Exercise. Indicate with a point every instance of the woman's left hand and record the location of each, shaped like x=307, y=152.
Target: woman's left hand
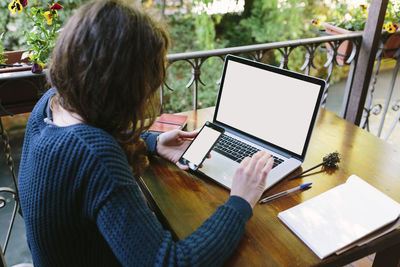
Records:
x=171, y=145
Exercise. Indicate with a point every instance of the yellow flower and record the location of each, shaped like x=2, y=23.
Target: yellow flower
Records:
x=390, y=28
x=41, y=64
x=315, y=22
x=30, y=56
x=48, y=17
x=15, y=6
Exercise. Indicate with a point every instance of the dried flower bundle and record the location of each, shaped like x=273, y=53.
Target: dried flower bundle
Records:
x=329, y=161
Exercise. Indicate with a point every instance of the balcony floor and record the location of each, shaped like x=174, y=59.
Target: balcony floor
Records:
x=335, y=96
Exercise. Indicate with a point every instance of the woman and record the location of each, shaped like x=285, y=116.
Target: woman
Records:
x=79, y=198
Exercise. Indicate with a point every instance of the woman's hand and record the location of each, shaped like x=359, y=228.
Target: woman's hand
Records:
x=171, y=145
x=250, y=178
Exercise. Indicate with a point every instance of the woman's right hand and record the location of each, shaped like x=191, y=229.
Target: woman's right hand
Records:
x=250, y=178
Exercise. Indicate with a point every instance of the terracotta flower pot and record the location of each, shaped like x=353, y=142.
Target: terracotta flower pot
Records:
x=392, y=45
x=14, y=57
x=344, y=50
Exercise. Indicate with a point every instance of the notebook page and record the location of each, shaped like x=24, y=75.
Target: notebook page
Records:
x=340, y=216
x=383, y=231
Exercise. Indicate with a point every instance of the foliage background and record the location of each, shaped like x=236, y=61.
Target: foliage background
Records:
x=261, y=21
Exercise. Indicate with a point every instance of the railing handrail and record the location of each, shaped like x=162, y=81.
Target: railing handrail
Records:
x=265, y=46
x=234, y=50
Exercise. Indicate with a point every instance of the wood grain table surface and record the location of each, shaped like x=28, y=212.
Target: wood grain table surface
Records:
x=183, y=200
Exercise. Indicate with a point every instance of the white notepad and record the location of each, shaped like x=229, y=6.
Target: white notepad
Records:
x=341, y=216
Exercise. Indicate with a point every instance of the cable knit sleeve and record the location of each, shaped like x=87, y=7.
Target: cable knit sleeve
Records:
x=151, y=141
x=83, y=207
x=137, y=238
x=133, y=232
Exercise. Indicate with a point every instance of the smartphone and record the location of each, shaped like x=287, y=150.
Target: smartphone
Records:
x=201, y=145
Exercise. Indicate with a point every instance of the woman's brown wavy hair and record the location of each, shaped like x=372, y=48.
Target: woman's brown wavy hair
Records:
x=107, y=65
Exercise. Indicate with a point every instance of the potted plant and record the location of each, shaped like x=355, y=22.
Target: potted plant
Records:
x=3, y=58
x=42, y=35
x=347, y=20
x=12, y=61
x=22, y=81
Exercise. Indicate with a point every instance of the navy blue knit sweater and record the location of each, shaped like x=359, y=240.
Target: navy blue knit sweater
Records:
x=82, y=206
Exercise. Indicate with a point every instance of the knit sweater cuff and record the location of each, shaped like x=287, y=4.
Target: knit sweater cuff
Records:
x=241, y=205
x=151, y=142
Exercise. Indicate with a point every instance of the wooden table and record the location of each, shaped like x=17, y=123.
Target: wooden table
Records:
x=184, y=200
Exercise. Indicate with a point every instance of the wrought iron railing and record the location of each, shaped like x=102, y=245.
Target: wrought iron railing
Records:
x=257, y=52
x=13, y=192
x=390, y=108
x=330, y=44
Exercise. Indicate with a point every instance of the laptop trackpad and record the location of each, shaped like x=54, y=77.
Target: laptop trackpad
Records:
x=220, y=169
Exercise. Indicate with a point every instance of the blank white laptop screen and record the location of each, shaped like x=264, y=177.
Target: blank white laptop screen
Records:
x=270, y=106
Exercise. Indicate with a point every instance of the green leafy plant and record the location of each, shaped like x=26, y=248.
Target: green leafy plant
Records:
x=44, y=29
x=3, y=59
x=354, y=18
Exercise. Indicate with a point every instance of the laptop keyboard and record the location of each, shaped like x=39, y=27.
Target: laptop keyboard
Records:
x=238, y=150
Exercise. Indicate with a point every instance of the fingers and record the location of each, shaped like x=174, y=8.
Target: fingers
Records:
x=192, y=134
x=251, y=177
x=266, y=169
x=182, y=166
x=260, y=165
x=245, y=162
x=262, y=161
x=255, y=160
x=243, y=166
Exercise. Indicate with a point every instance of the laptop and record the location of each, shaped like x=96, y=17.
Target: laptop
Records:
x=262, y=107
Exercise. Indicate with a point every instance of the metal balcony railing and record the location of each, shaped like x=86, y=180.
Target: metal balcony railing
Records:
x=329, y=45
x=388, y=109
x=257, y=52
